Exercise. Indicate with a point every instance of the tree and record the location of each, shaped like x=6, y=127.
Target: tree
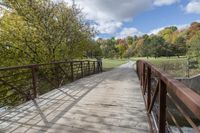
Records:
x=157, y=46
x=128, y=53
x=94, y=50
x=107, y=47
x=194, y=50
x=129, y=40
x=121, y=47
x=42, y=31
x=194, y=27
x=138, y=45
x=180, y=47
x=170, y=41
x=168, y=34
x=144, y=50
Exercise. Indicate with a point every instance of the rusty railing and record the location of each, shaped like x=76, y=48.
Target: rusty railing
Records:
x=169, y=103
x=22, y=83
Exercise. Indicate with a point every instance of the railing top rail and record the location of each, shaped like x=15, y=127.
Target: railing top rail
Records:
x=37, y=65
x=190, y=98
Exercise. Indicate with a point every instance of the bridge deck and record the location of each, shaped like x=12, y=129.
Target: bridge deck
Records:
x=103, y=103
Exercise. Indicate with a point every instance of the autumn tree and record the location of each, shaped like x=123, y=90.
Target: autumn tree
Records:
x=93, y=50
x=168, y=34
x=170, y=41
x=121, y=47
x=144, y=50
x=192, y=30
x=194, y=50
x=129, y=40
x=157, y=46
x=42, y=31
x=180, y=47
x=108, y=47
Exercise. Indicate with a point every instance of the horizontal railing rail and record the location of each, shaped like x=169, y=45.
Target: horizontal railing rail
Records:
x=169, y=103
x=22, y=83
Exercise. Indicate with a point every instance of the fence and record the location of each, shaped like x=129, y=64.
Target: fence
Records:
x=22, y=83
x=169, y=103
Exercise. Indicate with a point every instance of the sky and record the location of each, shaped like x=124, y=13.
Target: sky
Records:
x=121, y=18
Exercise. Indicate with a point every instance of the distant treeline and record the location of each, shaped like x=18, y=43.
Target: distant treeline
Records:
x=168, y=42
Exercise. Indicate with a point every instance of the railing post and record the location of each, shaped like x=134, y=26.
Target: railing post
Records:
x=88, y=67
x=143, y=77
x=72, y=71
x=57, y=74
x=100, y=66
x=162, y=107
x=81, y=69
x=34, y=80
x=137, y=69
x=149, y=87
x=94, y=67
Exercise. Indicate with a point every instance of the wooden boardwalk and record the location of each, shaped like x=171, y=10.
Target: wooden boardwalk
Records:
x=110, y=102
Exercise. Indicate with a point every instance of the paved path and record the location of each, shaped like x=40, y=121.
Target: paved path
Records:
x=110, y=102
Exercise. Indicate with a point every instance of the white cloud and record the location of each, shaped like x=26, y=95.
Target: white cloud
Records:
x=164, y=2
x=117, y=10
x=183, y=26
x=109, y=15
x=180, y=27
x=155, y=31
x=108, y=27
x=129, y=32
x=193, y=7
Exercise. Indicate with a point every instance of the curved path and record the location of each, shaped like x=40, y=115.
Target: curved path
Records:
x=110, y=102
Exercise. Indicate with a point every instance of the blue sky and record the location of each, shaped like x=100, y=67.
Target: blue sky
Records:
x=121, y=18
x=161, y=16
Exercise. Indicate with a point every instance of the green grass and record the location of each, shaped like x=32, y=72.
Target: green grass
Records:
x=174, y=66
x=177, y=67
x=109, y=64
x=160, y=60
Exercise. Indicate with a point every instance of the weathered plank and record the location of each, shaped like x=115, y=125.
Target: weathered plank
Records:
x=103, y=103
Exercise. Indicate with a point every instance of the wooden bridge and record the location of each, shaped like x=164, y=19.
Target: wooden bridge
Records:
x=107, y=102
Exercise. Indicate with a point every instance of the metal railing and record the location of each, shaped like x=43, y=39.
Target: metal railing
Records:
x=169, y=103
x=22, y=83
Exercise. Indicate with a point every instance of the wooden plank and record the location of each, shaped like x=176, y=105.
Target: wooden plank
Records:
x=108, y=102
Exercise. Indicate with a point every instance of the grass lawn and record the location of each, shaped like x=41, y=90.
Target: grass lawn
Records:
x=109, y=64
x=175, y=66
x=161, y=60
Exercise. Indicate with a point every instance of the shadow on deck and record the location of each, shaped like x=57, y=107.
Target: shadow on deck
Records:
x=107, y=102
x=47, y=109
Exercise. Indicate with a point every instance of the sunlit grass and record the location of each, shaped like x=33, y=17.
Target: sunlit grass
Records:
x=174, y=66
x=109, y=64
x=177, y=67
